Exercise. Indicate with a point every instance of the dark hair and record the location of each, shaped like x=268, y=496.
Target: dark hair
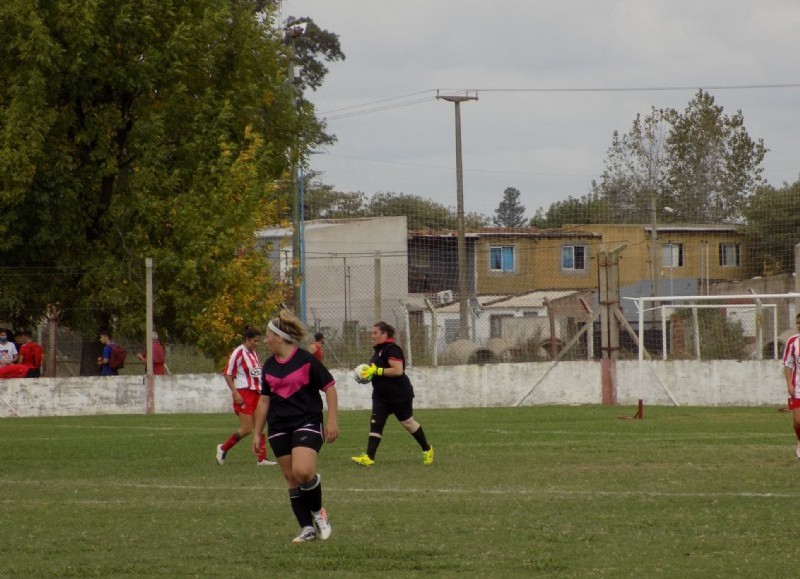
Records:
x=318, y=336
x=250, y=332
x=384, y=327
x=106, y=333
x=24, y=333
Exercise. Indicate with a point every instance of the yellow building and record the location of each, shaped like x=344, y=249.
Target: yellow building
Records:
x=514, y=261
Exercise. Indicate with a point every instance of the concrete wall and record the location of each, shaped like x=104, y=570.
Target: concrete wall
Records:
x=687, y=383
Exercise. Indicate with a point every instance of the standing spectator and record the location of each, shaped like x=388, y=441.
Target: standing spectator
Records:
x=791, y=372
x=243, y=377
x=105, y=357
x=291, y=404
x=159, y=360
x=8, y=349
x=317, y=347
x=392, y=393
x=31, y=354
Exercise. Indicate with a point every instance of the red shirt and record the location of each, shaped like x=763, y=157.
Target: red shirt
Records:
x=30, y=354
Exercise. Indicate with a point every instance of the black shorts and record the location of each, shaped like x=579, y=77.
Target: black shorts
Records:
x=283, y=441
x=403, y=409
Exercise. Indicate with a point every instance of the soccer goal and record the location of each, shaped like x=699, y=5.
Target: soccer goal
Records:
x=708, y=327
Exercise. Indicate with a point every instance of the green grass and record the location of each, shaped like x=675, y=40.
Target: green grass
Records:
x=533, y=492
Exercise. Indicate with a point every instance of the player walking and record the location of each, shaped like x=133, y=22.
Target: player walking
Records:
x=291, y=404
x=243, y=377
x=392, y=393
x=791, y=371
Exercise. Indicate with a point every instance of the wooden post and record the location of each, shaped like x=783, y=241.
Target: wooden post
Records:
x=608, y=283
x=149, y=380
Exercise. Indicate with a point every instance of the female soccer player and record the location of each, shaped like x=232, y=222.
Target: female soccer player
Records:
x=243, y=377
x=392, y=393
x=791, y=372
x=291, y=404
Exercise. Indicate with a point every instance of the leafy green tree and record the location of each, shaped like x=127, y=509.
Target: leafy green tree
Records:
x=421, y=213
x=321, y=201
x=700, y=162
x=144, y=129
x=773, y=220
x=510, y=212
x=588, y=209
x=714, y=164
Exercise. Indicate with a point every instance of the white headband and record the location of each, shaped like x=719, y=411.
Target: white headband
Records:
x=281, y=333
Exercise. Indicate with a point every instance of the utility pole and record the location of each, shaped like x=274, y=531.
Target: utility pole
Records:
x=463, y=331
x=291, y=32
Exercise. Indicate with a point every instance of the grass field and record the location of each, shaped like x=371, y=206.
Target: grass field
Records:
x=536, y=492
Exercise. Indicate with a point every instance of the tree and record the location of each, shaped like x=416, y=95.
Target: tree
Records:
x=714, y=164
x=700, y=162
x=510, y=212
x=773, y=220
x=133, y=130
x=636, y=167
x=421, y=213
x=588, y=209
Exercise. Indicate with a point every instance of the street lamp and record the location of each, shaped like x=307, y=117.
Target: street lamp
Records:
x=463, y=331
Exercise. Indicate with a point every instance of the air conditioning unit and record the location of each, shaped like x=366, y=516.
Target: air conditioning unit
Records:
x=444, y=297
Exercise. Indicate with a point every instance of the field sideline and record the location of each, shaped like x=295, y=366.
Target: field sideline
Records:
x=547, y=491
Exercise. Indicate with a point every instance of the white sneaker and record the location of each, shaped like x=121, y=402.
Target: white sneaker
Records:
x=307, y=534
x=322, y=523
x=266, y=462
x=797, y=452
x=221, y=454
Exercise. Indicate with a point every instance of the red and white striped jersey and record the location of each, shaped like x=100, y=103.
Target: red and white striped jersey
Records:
x=791, y=358
x=245, y=368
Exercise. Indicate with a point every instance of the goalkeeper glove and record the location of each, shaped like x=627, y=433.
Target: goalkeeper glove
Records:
x=370, y=371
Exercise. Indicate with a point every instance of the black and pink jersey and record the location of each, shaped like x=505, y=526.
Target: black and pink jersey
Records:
x=293, y=386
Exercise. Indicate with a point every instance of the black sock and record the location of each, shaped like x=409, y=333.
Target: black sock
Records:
x=372, y=446
x=300, y=507
x=419, y=436
x=312, y=493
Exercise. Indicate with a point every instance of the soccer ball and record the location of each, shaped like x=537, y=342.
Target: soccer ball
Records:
x=357, y=373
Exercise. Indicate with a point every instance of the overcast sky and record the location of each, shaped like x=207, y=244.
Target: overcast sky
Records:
x=549, y=143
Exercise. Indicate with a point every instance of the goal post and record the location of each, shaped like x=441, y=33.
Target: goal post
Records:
x=712, y=327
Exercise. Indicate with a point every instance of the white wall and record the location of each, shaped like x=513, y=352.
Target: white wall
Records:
x=691, y=383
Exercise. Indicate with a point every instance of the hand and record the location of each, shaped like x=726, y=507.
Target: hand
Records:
x=370, y=371
x=238, y=398
x=331, y=431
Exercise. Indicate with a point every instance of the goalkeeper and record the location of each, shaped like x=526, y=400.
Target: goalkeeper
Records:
x=392, y=393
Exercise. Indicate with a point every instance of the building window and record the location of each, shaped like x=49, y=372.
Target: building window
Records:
x=573, y=257
x=501, y=258
x=672, y=255
x=729, y=255
x=496, y=324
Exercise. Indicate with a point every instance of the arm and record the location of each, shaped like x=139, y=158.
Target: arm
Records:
x=232, y=387
x=259, y=420
x=332, y=427
x=787, y=373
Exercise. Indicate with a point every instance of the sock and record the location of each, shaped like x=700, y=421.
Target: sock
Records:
x=797, y=432
x=312, y=491
x=300, y=508
x=262, y=449
x=231, y=442
x=372, y=446
x=419, y=436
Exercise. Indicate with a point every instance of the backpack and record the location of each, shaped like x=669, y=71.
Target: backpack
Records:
x=117, y=359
